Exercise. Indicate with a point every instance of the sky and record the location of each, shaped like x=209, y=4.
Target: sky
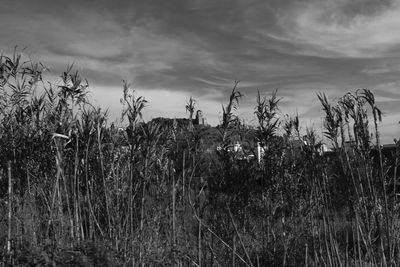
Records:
x=172, y=50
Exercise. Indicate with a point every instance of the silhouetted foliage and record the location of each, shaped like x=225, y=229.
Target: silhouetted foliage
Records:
x=173, y=192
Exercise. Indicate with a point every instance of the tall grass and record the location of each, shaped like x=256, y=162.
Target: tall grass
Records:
x=76, y=190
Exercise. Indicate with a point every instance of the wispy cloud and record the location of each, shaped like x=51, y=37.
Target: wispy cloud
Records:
x=343, y=28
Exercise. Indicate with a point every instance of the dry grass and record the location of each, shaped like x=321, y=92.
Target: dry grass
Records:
x=160, y=194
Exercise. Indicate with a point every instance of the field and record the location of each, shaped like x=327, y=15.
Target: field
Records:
x=76, y=190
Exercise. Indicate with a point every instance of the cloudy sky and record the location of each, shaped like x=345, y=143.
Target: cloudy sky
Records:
x=173, y=49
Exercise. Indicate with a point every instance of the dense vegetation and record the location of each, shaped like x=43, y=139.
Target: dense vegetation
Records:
x=76, y=190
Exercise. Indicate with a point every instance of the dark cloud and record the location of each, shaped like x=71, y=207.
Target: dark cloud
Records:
x=179, y=48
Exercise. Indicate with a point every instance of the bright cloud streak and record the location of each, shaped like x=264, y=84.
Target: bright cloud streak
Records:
x=321, y=28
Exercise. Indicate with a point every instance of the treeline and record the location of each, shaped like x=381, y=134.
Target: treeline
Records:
x=76, y=190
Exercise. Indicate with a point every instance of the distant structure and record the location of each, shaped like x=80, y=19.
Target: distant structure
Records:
x=260, y=152
x=199, y=120
x=181, y=122
x=237, y=147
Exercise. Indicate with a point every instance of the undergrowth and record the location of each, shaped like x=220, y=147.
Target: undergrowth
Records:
x=76, y=190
